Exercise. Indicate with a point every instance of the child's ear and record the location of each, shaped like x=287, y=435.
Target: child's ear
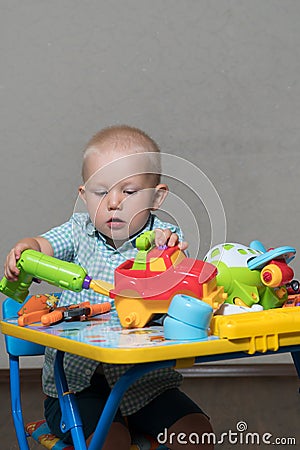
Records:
x=161, y=191
x=81, y=192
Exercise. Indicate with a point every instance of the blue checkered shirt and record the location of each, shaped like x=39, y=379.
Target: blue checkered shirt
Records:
x=78, y=241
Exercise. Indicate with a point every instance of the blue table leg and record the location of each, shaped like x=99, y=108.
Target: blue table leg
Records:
x=16, y=407
x=70, y=419
x=296, y=359
x=115, y=397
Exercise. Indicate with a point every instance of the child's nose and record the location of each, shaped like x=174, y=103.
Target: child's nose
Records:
x=114, y=200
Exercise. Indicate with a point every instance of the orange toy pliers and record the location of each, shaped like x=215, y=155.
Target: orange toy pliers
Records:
x=43, y=308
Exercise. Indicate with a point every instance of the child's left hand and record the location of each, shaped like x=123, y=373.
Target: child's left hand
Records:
x=166, y=237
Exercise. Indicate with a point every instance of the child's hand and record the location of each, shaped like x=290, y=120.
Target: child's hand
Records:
x=166, y=237
x=11, y=271
x=39, y=244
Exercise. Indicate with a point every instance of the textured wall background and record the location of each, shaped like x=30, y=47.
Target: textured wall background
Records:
x=215, y=82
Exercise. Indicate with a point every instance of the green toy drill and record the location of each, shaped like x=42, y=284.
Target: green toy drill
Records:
x=35, y=265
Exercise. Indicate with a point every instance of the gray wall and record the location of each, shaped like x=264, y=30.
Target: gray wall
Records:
x=215, y=82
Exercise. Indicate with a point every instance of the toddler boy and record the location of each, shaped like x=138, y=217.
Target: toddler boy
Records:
x=122, y=187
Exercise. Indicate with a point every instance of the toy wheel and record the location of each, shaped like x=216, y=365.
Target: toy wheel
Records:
x=132, y=312
x=295, y=285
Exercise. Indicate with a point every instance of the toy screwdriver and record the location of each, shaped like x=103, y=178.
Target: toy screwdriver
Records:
x=35, y=265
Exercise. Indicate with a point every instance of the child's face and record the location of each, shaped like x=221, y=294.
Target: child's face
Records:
x=118, y=192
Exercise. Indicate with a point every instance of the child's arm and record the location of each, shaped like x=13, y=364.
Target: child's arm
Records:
x=38, y=243
x=167, y=237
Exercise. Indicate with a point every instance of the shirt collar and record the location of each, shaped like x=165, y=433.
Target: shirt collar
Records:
x=92, y=231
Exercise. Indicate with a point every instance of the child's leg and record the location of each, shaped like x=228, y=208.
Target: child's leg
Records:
x=175, y=421
x=198, y=433
x=91, y=402
x=118, y=437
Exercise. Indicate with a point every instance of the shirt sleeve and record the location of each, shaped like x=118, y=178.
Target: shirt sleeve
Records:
x=61, y=239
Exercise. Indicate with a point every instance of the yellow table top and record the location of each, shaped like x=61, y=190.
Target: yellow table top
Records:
x=103, y=339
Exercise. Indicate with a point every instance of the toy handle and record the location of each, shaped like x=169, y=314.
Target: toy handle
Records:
x=52, y=317
x=18, y=290
x=29, y=318
x=99, y=308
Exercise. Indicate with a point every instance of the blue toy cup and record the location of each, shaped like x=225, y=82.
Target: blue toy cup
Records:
x=190, y=310
x=176, y=330
x=188, y=318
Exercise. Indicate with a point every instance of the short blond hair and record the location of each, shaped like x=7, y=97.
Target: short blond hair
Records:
x=125, y=137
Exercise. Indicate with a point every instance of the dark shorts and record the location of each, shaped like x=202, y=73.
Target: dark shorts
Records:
x=152, y=419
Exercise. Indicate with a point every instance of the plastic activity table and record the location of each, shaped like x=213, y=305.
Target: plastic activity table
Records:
x=102, y=338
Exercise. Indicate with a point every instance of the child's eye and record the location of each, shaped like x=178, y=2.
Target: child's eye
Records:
x=129, y=191
x=100, y=193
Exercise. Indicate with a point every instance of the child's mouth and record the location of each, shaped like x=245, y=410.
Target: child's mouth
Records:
x=115, y=223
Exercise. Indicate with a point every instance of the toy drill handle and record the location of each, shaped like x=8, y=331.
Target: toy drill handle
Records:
x=32, y=264
x=18, y=290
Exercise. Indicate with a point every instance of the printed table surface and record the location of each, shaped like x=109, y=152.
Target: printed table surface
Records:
x=103, y=339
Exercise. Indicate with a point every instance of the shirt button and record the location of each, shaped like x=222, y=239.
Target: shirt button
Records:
x=113, y=257
x=88, y=372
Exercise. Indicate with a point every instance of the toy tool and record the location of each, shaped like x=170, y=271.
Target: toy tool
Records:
x=44, y=308
x=34, y=265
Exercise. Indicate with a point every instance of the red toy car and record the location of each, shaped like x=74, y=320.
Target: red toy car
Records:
x=139, y=294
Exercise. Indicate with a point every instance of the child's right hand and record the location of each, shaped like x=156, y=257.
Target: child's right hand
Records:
x=40, y=244
x=11, y=272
